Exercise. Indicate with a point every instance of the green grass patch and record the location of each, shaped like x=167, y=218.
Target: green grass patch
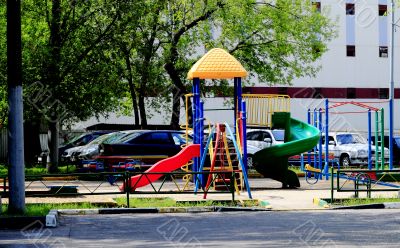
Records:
x=40, y=170
x=168, y=202
x=363, y=201
x=43, y=209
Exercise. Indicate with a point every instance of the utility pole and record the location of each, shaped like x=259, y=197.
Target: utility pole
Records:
x=16, y=170
x=391, y=86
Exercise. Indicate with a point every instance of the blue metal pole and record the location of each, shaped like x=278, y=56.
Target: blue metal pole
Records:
x=315, y=148
x=370, y=140
x=309, y=122
x=239, y=94
x=235, y=109
x=320, y=141
x=391, y=134
x=244, y=142
x=326, y=136
x=196, y=117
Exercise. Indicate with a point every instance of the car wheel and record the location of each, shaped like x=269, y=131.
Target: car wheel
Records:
x=345, y=161
x=249, y=161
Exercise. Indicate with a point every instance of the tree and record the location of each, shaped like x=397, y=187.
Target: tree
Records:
x=69, y=70
x=276, y=41
x=3, y=62
x=138, y=47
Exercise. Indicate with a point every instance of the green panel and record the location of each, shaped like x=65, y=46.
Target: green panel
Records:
x=272, y=162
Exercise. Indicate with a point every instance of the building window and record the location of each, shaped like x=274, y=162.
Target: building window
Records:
x=350, y=9
x=382, y=10
x=383, y=51
x=351, y=51
x=351, y=93
x=383, y=93
x=317, y=6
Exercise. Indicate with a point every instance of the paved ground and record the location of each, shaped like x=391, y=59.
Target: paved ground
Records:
x=264, y=189
x=332, y=228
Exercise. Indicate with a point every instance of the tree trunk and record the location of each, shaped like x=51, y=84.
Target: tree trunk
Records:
x=32, y=143
x=131, y=86
x=54, y=81
x=55, y=135
x=179, y=90
x=176, y=108
x=142, y=109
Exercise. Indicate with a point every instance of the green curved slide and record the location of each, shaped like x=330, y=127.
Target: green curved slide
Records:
x=272, y=162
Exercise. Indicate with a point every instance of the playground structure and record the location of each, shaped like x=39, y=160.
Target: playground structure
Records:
x=370, y=178
x=216, y=64
x=319, y=118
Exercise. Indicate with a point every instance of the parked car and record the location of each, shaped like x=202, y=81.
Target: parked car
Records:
x=350, y=148
x=81, y=140
x=146, y=142
x=258, y=139
x=92, y=150
x=396, y=147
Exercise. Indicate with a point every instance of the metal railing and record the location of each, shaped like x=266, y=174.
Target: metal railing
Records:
x=113, y=183
x=260, y=108
x=363, y=181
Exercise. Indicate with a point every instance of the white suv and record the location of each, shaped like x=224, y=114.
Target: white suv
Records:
x=351, y=149
x=258, y=139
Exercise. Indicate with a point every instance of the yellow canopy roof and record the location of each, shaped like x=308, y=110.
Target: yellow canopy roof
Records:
x=217, y=64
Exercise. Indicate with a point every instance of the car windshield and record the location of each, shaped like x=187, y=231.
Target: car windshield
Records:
x=115, y=137
x=100, y=139
x=397, y=141
x=75, y=139
x=128, y=137
x=279, y=135
x=350, y=139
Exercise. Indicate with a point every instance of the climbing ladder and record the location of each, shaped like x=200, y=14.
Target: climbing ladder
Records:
x=186, y=168
x=223, y=158
x=379, y=140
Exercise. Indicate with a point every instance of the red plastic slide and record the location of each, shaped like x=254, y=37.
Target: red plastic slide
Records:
x=166, y=165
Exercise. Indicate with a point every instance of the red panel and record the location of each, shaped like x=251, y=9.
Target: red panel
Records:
x=363, y=93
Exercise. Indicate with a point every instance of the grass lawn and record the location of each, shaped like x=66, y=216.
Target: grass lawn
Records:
x=168, y=202
x=361, y=201
x=43, y=209
x=38, y=170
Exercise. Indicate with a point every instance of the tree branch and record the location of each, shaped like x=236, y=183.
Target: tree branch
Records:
x=83, y=55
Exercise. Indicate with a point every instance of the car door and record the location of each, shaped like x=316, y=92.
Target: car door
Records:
x=156, y=143
x=332, y=147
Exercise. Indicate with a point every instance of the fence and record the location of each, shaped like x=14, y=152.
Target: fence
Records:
x=364, y=181
x=110, y=183
x=260, y=108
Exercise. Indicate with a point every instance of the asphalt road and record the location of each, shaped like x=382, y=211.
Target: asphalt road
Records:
x=333, y=228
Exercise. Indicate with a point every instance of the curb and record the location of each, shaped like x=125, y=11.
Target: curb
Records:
x=365, y=206
x=320, y=202
x=392, y=205
x=52, y=218
x=157, y=210
x=264, y=204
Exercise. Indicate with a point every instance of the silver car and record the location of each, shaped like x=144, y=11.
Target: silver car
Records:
x=351, y=149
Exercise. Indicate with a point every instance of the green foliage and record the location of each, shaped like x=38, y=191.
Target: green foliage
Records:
x=169, y=202
x=43, y=209
x=39, y=170
x=82, y=58
x=361, y=201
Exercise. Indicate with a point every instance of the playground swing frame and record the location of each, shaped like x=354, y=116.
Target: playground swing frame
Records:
x=315, y=117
